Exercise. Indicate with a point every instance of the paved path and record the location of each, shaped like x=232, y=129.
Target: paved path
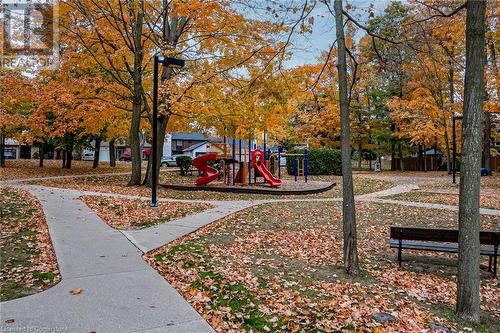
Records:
x=121, y=292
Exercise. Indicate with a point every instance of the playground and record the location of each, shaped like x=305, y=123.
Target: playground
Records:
x=233, y=167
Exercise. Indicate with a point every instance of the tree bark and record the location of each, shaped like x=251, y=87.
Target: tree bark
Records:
x=97, y=150
x=2, y=149
x=112, y=153
x=487, y=142
x=135, y=148
x=468, y=297
x=171, y=31
x=445, y=123
x=69, y=153
x=348, y=209
x=360, y=156
x=401, y=161
x=63, y=157
x=40, y=154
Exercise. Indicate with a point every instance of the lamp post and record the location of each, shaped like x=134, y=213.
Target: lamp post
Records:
x=453, y=167
x=169, y=62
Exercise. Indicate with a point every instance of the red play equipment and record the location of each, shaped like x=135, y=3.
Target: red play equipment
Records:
x=209, y=173
x=257, y=163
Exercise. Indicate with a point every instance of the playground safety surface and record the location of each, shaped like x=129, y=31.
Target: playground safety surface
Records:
x=288, y=187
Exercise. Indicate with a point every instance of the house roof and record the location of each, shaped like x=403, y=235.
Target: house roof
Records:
x=188, y=136
x=432, y=152
x=196, y=145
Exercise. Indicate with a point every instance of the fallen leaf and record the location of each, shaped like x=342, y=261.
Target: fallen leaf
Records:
x=76, y=291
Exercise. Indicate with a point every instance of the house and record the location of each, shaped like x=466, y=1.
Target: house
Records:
x=13, y=149
x=181, y=141
x=196, y=150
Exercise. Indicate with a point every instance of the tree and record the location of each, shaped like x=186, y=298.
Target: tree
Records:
x=348, y=208
x=468, y=297
x=111, y=34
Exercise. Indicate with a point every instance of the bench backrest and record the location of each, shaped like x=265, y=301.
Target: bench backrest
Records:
x=441, y=235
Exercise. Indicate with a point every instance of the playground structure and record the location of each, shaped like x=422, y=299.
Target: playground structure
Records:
x=244, y=168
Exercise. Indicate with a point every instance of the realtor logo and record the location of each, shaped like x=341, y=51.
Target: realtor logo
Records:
x=30, y=33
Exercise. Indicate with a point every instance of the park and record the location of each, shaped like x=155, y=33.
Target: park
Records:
x=249, y=166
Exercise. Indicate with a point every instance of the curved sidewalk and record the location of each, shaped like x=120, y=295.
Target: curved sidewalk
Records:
x=120, y=291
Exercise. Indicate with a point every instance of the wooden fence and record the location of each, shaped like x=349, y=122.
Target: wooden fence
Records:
x=429, y=163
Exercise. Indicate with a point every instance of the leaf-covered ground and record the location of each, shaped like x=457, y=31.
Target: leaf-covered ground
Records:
x=21, y=169
x=277, y=268
x=118, y=184
x=136, y=214
x=28, y=264
x=489, y=182
x=487, y=200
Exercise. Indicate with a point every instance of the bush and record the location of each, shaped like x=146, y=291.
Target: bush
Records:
x=184, y=163
x=320, y=162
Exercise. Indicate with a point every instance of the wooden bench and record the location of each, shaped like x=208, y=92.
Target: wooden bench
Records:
x=442, y=240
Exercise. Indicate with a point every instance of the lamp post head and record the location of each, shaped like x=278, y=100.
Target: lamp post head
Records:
x=172, y=62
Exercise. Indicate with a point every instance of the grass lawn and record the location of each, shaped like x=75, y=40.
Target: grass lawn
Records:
x=277, y=268
x=137, y=214
x=118, y=184
x=490, y=200
x=28, y=264
x=20, y=169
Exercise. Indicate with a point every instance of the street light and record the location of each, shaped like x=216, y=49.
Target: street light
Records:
x=169, y=62
x=455, y=118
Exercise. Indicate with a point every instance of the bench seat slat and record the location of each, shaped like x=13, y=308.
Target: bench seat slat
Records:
x=438, y=247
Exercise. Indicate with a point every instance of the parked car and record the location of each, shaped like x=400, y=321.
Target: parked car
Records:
x=168, y=161
x=126, y=155
x=88, y=156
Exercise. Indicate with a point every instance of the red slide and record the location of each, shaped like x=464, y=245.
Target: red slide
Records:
x=257, y=162
x=209, y=173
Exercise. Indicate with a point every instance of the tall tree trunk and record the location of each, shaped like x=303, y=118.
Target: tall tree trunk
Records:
x=451, y=76
x=63, y=157
x=487, y=142
x=171, y=31
x=97, y=151
x=112, y=153
x=468, y=297
x=420, y=164
x=2, y=148
x=401, y=161
x=348, y=209
x=135, y=148
x=425, y=158
x=360, y=155
x=40, y=154
x=69, y=153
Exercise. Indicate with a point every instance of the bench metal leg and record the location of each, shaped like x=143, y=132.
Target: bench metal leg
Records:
x=400, y=250
x=495, y=263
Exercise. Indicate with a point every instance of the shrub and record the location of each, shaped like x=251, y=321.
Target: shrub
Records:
x=184, y=163
x=320, y=162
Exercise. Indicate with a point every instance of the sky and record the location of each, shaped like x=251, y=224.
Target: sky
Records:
x=307, y=48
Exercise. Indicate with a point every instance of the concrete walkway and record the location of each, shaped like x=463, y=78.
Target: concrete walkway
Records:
x=120, y=291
